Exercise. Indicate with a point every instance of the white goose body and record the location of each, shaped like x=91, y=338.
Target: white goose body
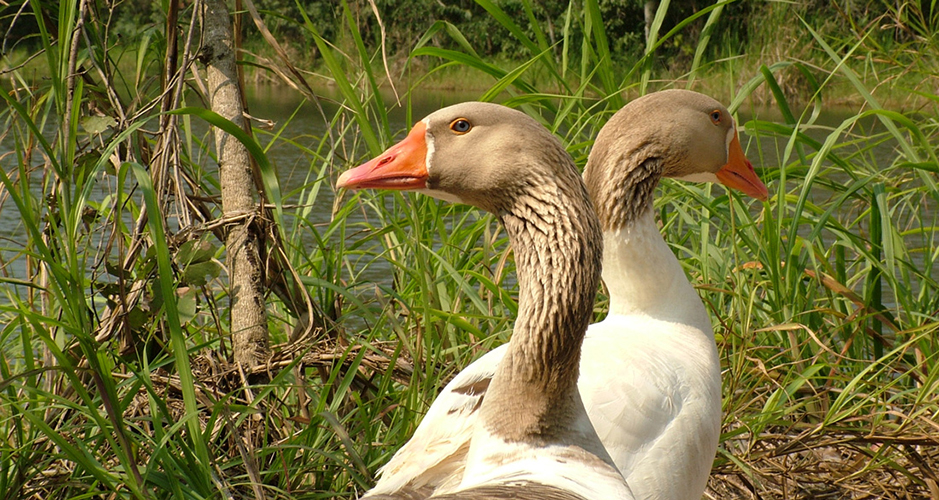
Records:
x=649, y=372
x=530, y=437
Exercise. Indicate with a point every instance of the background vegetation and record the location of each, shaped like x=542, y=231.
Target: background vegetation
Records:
x=824, y=299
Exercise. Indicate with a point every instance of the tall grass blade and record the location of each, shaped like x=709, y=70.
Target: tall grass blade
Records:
x=180, y=348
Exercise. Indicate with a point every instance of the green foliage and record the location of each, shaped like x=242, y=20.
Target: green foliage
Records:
x=824, y=298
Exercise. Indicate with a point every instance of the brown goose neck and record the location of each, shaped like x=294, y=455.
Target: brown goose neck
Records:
x=622, y=182
x=558, y=249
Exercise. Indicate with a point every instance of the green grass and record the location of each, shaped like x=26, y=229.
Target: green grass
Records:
x=823, y=298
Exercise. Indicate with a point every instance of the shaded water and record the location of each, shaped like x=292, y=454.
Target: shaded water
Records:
x=766, y=151
x=304, y=124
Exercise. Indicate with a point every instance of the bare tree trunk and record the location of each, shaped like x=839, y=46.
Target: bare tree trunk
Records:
x=250, y=341
x=648, y=11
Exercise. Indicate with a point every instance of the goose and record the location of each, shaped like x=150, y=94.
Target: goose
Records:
x=531, y=437
x=650, y=373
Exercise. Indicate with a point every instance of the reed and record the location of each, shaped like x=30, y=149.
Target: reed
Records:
x=824, y=298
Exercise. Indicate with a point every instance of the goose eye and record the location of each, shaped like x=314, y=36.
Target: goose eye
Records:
x=716, y=116
x=460, y=125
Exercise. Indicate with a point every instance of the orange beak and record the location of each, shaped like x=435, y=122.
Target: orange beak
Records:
x=739, y=173
x=401, y=167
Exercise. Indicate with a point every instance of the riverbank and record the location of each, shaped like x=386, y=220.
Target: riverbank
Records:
x=799, y=83
x=899, y=88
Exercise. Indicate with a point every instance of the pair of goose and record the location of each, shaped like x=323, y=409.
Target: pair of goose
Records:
x=629, y=408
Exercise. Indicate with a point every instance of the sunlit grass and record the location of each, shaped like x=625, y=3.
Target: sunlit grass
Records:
x=823, y=299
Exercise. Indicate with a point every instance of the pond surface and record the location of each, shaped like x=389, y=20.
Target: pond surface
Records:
x=303, y=124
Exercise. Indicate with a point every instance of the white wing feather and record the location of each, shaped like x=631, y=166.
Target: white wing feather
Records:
x=434, y=457
x=638, y=382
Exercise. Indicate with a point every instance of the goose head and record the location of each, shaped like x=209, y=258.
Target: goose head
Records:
x=673, y=133
x=468, y=153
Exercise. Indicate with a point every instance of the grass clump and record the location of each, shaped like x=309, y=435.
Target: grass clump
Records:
x=823, y=298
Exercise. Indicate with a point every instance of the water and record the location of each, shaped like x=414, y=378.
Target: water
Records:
x=301, y=125
x=306, y=128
